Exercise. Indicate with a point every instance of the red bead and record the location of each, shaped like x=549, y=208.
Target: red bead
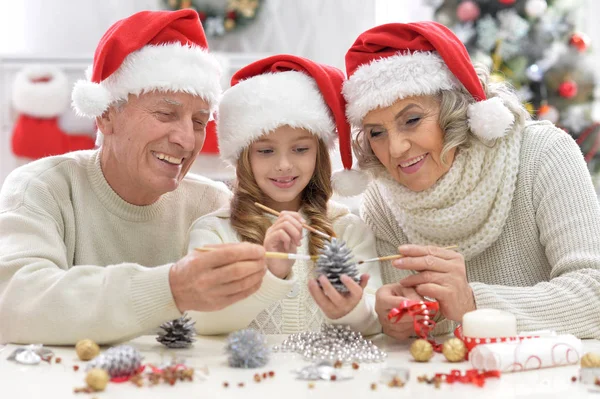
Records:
x=568, y=89
x=580, y=41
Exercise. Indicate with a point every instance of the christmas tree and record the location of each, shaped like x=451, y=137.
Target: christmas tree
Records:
x=536, y=46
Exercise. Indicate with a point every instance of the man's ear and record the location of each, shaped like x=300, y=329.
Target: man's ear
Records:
x=106, y=121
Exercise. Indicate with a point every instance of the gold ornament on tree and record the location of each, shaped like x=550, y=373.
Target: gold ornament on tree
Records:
x=454, y=350
x=87, y=349
x=421, y=350
x=245, y=7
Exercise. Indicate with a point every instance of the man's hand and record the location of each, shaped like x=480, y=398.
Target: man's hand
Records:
x=209, y=281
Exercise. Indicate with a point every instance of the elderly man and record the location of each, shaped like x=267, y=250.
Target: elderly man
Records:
x=91, y=242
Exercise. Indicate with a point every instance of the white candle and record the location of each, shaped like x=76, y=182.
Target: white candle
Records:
x=489, y=323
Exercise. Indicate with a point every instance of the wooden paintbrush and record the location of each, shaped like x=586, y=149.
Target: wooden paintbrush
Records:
x=392, y=257
x=271, y=255
x=307, y=227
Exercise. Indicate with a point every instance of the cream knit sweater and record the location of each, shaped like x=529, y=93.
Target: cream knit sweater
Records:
x=545, y=266
x=286, y=306
x=76, y=261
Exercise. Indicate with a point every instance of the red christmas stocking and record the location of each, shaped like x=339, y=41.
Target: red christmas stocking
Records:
x=40, y=95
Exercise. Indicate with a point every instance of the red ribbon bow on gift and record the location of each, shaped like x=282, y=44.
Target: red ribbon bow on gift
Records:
x=422, y=313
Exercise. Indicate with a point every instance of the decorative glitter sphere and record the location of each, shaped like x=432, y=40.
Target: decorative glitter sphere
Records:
x=454, y=350
x=580, y=41
x=421, y=350
x=534, y=73
x=590, y=360
x=535, y=8
x=568, y=89
x=467, y=11
x=87, y=349
x=97, y=379
x=548, y=113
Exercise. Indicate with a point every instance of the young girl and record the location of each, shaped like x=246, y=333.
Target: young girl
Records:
x=276, y=125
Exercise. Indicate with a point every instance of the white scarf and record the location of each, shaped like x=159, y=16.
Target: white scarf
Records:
x=468, y=206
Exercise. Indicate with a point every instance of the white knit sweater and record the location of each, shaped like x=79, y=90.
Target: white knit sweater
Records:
x=545, y=266
x=76, y=261
x=286, y=306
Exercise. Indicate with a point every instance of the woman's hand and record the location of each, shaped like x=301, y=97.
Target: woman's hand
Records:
x=388, y=297
x=333, y=303
x=441, y=275
x=285, y=235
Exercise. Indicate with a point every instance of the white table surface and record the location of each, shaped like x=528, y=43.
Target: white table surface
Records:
x=51, y=381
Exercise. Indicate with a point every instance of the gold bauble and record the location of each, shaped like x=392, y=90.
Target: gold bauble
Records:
x=421, y=350
x=454, y=350
x=590, y=360
x=97, y=379
x=229, y=24
x=87, y=349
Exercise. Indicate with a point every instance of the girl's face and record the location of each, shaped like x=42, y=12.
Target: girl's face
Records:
x=407, y=139
x=283, y=162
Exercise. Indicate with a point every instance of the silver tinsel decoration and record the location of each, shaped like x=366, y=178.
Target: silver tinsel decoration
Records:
x=333, y=343
x=334, y=260
x=178, y=333
x=247, y=349
x=118, y=361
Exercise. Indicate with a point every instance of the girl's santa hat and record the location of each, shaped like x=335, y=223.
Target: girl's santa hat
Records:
x=394, y=61
x=294, y=91
x=150, y=50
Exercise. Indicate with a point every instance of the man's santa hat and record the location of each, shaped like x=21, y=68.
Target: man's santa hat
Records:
x=288, y=90
x=394, y=61
x=150, y=50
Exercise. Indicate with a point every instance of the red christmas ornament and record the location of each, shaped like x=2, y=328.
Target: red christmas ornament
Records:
x=202, y=15
x=568, y=89
x=467, y=11
x=507, y=2
x=580, y=41
x=232, y=15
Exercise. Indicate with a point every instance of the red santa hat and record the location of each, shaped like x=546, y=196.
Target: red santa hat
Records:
x=294, y=91
x=150, y=50
x=394, y=61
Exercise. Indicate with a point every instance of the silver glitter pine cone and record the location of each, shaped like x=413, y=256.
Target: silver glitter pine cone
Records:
x=118, y=361
x=178, y=333
x=247, y=349
x=334, y=260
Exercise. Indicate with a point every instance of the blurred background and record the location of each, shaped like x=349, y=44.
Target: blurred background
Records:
x=546, y=48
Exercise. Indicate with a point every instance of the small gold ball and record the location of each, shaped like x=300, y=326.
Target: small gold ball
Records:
x=87, y=349
x=590, y=360
x=454, y=350
x=229, y=24
x=97, y=379
x=421, y=350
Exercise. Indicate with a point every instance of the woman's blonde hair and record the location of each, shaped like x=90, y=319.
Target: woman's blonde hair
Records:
x=251, y=223
x=453, y=120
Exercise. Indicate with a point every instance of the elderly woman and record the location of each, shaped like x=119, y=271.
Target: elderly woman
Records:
x=457, y=162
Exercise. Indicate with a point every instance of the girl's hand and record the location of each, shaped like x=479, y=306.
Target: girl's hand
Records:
x=285, y=235
x=335, y=304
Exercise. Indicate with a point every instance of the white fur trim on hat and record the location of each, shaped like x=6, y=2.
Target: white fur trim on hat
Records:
x=349, y=183
x=169, y=67
x=384, y=81
x=41, y=99
x=490, y=119
x=263, y=103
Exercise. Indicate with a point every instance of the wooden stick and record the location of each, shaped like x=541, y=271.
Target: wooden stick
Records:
x=392, y=257
x=307, y=227
x=271, y=255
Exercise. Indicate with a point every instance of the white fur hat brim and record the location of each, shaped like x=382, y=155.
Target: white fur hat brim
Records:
x=41, y=91
x=384, y=81
x=170, y=67
x=261, y=104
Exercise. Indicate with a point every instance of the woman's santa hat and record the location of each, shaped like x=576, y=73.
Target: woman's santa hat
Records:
x=294, y=91
x=150, y=50
x=394, y=61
